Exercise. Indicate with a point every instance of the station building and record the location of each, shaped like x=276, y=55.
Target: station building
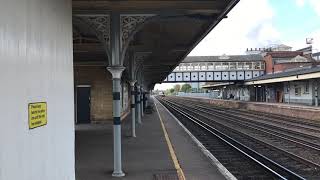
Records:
x=290, y=77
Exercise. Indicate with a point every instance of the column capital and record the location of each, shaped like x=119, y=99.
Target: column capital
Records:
x=132, y=82
x=138, y=86
x=116, y=71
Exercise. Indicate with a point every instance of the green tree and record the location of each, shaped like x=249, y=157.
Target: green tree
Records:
x=186, y=88
x=171, y=91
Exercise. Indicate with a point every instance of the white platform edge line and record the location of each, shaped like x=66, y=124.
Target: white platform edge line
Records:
x=214, y=161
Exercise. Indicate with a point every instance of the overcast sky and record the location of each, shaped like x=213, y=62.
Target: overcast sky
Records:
x=259, y=23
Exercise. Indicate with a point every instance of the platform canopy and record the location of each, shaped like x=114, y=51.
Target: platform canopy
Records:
x=155, y=36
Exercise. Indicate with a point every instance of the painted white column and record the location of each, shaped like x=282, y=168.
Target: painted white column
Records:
x=133, y=109
x=116, y=72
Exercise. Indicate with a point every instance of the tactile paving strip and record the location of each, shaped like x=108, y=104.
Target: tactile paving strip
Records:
x=166, y=175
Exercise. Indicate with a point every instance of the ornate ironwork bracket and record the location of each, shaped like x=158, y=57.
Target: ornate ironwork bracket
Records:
x=139, y=58
x=128, y=24
x=101, y=25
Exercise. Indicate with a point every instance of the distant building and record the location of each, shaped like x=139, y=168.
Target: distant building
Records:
x=280, y=61
x=316, y=56
x=290, y=77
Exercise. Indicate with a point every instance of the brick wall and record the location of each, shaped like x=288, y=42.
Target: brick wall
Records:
x=312, y=113
x=101, y=90
x=269, y=64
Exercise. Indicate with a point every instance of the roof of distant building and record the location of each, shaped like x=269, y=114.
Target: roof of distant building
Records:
x=316, y=54
x=223, y=58
x=296, y=72
x=285, y=54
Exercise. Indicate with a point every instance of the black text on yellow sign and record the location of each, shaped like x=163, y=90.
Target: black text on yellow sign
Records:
x=37, y=114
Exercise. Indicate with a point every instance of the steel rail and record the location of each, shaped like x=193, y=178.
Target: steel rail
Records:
x=293, y=155
x=248, y=152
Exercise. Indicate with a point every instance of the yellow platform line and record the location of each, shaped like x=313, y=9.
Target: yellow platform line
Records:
x=171, y=150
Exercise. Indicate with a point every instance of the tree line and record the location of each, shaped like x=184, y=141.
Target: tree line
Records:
x=178, y=88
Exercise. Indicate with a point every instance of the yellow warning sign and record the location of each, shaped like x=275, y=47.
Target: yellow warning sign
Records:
x=37, y=114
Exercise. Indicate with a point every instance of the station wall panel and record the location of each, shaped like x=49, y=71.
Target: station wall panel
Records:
x=248, y=74
x=233, y=75
x=36, y=66
x=186, y=76
x=101, y=91
x=225, y=76
x=209, y=76
x=240, y=75
x=194, y=76
x=202, y=76
x=179, y=76
x=217, y=76
x=171, y=77
x=255, y=74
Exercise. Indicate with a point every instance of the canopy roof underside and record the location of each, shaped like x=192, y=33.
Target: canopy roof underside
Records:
x=175, y=28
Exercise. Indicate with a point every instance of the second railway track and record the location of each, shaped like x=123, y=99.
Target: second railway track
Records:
x=255, y=148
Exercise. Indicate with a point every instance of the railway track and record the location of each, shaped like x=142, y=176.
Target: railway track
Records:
x=307, y=146
x=230, y=144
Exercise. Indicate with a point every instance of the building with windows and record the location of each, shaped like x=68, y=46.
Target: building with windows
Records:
x=289, y=77
x=204, y=69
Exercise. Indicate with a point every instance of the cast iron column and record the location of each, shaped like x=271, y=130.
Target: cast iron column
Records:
x=116, y=69
x=138, y=105
x=141, y=100
x=116, y=72
x=133, y=109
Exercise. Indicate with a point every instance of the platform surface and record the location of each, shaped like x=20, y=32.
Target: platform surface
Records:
x=194, y=163
x=145, y=157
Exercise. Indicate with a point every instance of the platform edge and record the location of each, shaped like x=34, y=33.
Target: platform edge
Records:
x=213, y=160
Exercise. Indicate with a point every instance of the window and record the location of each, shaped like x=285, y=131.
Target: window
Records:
x=196, y=67
x=240, y=65
x=203, y=66
x=297, y=90
x=210, y=66
x=256, y=65
x=248, y=65
x=218, y=66
x=286, y=88
x=233, y=65
x=225, y=66
x=306, y=87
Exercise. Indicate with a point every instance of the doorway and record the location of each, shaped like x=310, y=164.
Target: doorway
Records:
x=83, y=104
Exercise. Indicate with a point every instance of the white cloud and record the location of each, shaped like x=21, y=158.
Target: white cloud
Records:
x=315, y=4
x=248, y=25
x=300, y=3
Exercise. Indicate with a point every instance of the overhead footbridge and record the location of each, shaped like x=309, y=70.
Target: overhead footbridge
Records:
x=218, y=69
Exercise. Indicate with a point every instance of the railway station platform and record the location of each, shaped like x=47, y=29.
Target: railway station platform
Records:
x=151, y=155
x=292, y=110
